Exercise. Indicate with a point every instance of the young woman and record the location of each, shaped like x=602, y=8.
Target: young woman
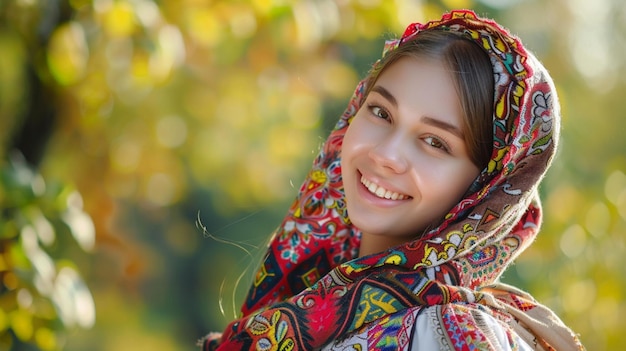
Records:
x=423, y=194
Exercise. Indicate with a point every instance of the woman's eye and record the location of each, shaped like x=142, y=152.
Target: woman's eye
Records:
x=379, y=112
x=436, y=143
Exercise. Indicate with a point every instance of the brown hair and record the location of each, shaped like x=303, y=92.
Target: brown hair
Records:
x=472, y=74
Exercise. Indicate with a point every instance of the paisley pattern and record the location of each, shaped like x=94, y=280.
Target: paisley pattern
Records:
x=312, y=289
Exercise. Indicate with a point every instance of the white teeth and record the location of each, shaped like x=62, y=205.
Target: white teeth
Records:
x=382, y=192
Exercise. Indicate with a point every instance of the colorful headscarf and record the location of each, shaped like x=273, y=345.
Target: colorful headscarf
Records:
x=311, y=288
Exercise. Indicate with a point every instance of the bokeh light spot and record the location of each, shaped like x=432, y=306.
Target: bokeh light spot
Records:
x=45, y=339
x=621, y=204
x=579, y=296
x=125, y=155
x=119, y=19
x=573, y=241
x=204, y=28
x=614, y=186
x=243, y=24
x=605, y=314
x=24, y=298
x=80, y=223
x=22, y=324
x=73, y=300
x=147, y=12
x=160, y=189
x=598, y=219
x=68, y=54
x=171, y=131
x=561, y=203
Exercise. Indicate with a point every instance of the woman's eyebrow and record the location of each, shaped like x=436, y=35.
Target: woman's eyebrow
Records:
x=386, y=94
x=444, y=125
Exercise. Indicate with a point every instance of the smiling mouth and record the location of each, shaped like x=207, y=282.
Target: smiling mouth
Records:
x=382, y=192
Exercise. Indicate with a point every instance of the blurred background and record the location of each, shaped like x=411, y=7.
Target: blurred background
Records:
x=148, y=148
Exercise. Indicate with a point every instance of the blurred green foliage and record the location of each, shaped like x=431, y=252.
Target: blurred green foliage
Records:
x=161, y=114
x=41, y=292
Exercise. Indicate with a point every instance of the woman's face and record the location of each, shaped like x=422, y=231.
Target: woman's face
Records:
x=404, y=159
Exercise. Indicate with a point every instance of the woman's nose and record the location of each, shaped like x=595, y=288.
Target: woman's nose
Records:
x=389, y=154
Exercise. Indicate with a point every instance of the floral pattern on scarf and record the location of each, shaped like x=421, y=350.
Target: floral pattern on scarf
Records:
x=312, y=289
